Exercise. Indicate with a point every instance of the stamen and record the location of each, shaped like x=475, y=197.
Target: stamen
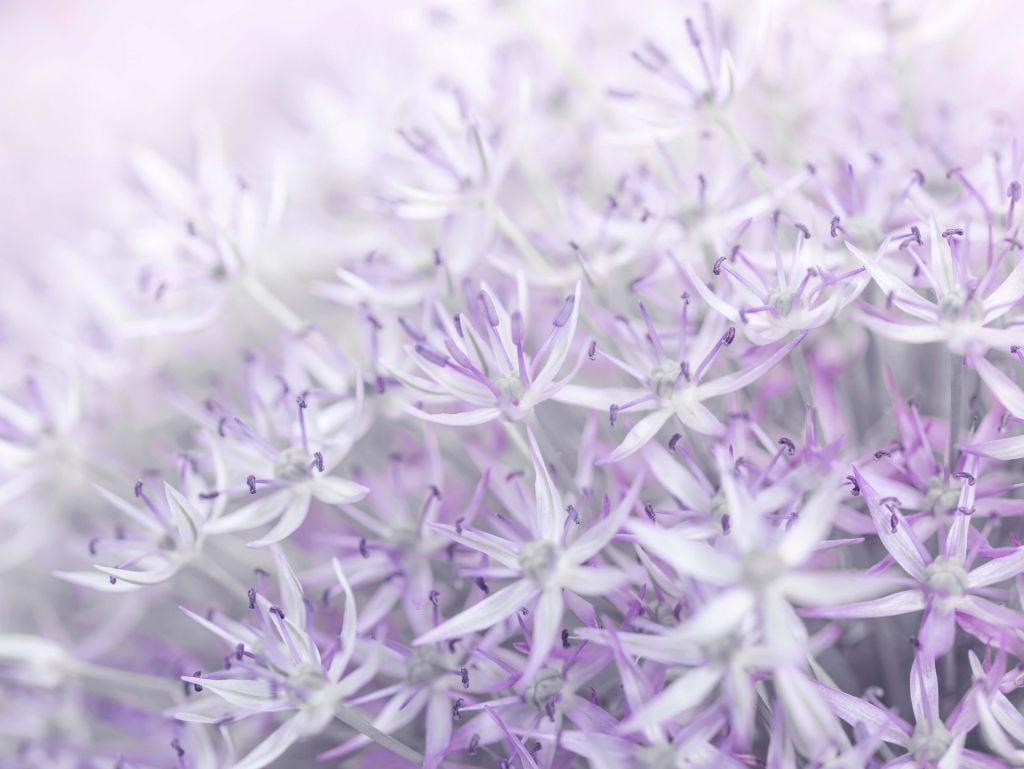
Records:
x=725, y=340
x=300, y=400
x=1014, y=193
x=488, y=307
x=652, y=334
x=252, y=598
x=250, y=480
x=431, y=355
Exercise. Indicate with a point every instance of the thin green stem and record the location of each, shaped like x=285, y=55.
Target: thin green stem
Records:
x=956, y=397
x=362, y=724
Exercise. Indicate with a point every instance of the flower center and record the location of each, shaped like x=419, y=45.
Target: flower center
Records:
x=659, y=756
x=930, y=742
x=940, y=498
x=761, y=567
x=957, y=306
x=663, y=378
x=546, y=684
x=538, y=560
x=946, y=576
x=425, y=665
x=292, y=464
x=510, y=386
x=782, y=300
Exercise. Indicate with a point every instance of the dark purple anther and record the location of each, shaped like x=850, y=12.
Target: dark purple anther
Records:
x=882, y=453
x=549, y=709
x=92, y=545
x=894, y=522
x=613, y=412
x=916, y=232
x=457, y=322
x=278, y=611
x=433, y=597
x=432, y=355
x=717, y=268
x=790, y=446
x=854, y=486
x=252, y=598
x=474, y=745
x=729, y=336
x=464, y=677
x=318, y=461
x=565, y=638
x=918, y=176
x=965, y=477
x=222, y=422
x=452, y=644
x=953, y=231
x=674, y=441
x=197, y=687
x=806, y=232
x=437, y=257
x=833, y=227
x=563, y=314
x=649, y=509
x=482, y=584
x=1013, y=191
x=239, y=651
x=180, y=751
x=300, y=399
x=456, y=707
x=113, y=580
x=138, y=489
x=363, y=549
x=489, y=310
x=592, y=350
x=574, y=514
x=726, y=523
x=458, y=525
x=250, y=481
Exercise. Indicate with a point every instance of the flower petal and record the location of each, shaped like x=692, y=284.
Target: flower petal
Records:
x=490, y=611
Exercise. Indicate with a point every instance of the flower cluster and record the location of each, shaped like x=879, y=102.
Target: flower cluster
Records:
x=642, y=391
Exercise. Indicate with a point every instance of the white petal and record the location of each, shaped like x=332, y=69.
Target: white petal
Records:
x=292, y=518
x=488, y=612
x=349, y=623
x=639, y=435
x=338, y=491
x=591, y=580
x=686, y=692
x=687, y=557
x=550, y=515
x=997, y=570
x=274, y=746
x=1001, y=448
x=737, y=381
x=547, y=621
x=1001, y=386
x=458, y=419
x=243, y=692
x=257, y=513
x=96, y=581
x=592, y=541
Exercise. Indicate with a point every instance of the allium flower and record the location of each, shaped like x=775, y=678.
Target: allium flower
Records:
x=670, y=386
x=173, y=527
x=444, y=216
x=769, y=300
x=948, y=590
x=289, y=478
x=759, y=566
x=479, y=359
x=543, y=566
x=278, y=667
x=969, y=311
